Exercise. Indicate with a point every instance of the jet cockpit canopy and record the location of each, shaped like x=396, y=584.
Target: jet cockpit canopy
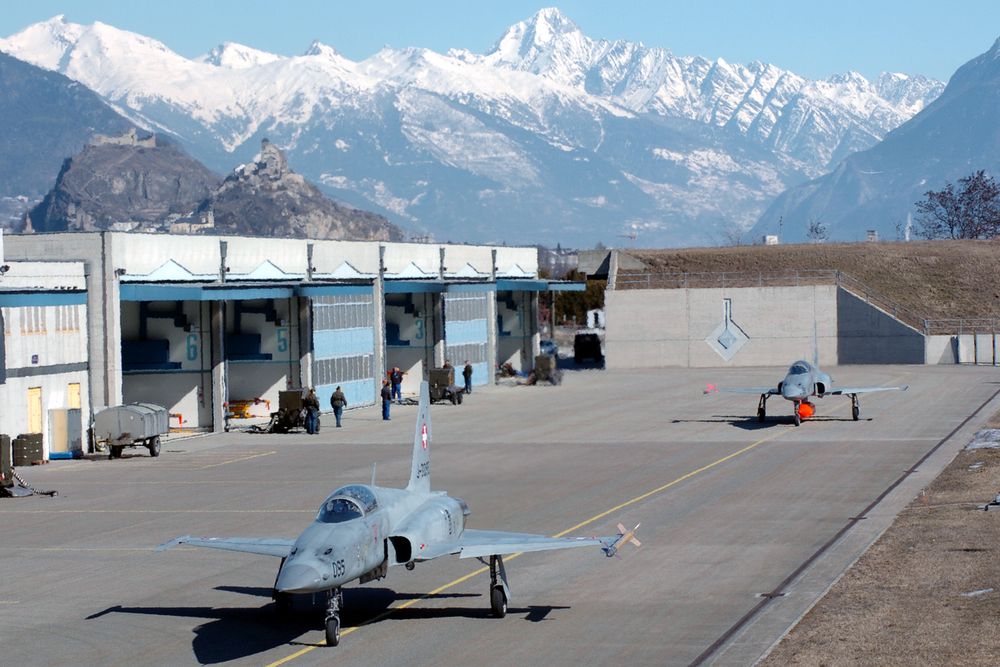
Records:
x=349, y=502
x=799, y=368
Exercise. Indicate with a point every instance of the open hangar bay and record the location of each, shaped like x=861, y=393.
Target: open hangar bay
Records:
x=729, y=509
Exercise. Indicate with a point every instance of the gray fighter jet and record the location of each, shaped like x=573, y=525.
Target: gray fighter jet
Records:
x=362, y=530
x=803, y=381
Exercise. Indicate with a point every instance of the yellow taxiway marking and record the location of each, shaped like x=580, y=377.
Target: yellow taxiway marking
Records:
x=596, y=517
x=74, y=549
x=137, y=511
x=10, y=602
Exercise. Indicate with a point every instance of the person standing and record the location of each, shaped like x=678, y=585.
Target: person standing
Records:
x=467, y=374
x=386, y=399
x=311, y=404
x=396, y=379
x=338, y=402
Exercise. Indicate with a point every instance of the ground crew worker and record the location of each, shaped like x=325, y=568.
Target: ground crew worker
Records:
x=467, y=374
x=338, y=402
x=386, y=399
x=311, y=404
x=396, y=379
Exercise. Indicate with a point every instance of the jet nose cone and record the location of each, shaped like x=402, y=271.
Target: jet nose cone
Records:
x=793, y=391
x=298, y=578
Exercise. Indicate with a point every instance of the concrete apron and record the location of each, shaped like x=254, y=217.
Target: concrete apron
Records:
x=755, y=638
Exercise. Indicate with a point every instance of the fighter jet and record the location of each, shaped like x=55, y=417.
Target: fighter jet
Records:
x=803, y=381
x=361, y=530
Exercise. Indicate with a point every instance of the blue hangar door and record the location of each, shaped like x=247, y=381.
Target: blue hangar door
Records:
x=466, y=334
x=343, y=339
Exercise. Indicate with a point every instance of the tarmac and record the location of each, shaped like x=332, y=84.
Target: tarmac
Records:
x=744, y=525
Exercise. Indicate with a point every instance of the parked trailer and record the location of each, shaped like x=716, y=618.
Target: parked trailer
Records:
x=132, y=425
x=443, y=387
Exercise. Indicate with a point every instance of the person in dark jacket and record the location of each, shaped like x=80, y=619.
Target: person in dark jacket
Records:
x=386, y=399
x=338, y=402
x=467, y=374
x=311, y=404
x=396, y=379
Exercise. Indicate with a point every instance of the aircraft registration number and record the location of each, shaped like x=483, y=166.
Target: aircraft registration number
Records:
x=424, y=470
x=339, y=568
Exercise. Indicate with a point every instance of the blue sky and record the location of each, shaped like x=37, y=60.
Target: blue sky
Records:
x=810, y=38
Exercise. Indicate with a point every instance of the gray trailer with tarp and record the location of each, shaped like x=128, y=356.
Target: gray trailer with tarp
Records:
x=132, y=425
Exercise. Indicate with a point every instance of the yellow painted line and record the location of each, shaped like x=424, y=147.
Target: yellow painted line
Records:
x=243, y=458
x=596, y=517
x=129, y=511
x=7, y=548
x=10, y=602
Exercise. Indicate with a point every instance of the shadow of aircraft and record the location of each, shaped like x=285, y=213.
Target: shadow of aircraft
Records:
x=751, y=423
x=234, y=633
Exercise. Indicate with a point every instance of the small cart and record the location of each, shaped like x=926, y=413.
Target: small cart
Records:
x=132, y=425
x=443, y=387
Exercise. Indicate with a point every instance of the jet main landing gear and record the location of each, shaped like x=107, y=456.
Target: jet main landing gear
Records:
x=498, y=588
x=796, y=417
x=855, y=407
x=762, y=408
x=333, y=605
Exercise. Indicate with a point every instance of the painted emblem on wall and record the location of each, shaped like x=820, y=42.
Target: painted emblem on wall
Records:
x=727, y=338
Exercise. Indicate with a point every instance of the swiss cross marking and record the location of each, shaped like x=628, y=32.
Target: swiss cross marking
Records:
x=423, y=436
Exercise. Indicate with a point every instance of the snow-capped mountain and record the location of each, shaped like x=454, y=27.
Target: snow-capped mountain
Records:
x=549, y=136
x=809, y=120
x=956, y=135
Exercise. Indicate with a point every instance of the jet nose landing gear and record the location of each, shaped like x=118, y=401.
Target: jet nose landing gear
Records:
x=333, y=605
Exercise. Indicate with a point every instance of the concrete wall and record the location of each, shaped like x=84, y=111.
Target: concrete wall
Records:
x=868, y=335
x=940, y=350
x=965, y=348
x=652, y=328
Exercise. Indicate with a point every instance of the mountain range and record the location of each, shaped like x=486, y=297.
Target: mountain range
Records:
x=549, y=136
x=134, y=183
x=955, y=136
x=45, y=118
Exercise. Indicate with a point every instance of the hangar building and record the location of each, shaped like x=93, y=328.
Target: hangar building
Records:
x=199, y=323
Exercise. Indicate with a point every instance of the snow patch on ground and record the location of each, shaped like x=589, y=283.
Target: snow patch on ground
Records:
x=988, y=438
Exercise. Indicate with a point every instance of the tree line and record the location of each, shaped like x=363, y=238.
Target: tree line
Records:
x=969, y=209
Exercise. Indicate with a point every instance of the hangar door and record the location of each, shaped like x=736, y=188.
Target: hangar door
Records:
x=466, y=333
x=343, y=339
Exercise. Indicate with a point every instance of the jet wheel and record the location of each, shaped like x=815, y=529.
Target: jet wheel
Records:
x=332, y=631
x=796, y=417
x=498, y=601
x=856, y=413
x=760, y=415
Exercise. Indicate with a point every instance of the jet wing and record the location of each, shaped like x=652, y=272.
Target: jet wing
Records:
x=847, y=391
x=262, y=546
x=747, y=390
x=481, y=543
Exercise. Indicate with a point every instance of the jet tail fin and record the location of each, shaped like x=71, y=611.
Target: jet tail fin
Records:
x=815, y=346
x=420, y=468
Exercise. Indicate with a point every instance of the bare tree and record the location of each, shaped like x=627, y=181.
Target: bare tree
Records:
x=732, y=235
x=817, y=232
x=970, y=211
